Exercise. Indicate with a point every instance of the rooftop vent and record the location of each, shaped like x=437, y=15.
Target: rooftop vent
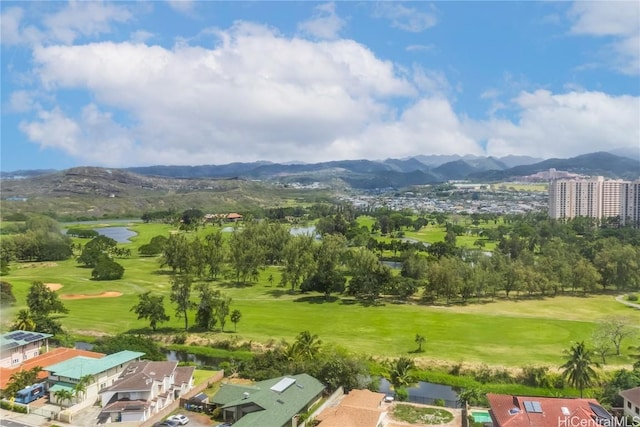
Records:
x=514, y=411
x=565, y=410
x=245, y=395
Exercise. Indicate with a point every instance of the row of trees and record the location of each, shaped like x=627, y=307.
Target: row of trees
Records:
x=212, y=307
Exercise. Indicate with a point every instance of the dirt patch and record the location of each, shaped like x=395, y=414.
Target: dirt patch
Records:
x=37, y=264
x=108, y=294
x=53, y=286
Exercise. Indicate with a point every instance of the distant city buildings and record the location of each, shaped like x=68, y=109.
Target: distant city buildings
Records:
x=595, y=198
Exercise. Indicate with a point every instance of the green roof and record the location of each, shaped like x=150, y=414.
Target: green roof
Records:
x=62, y=386
x=278, y=407
x=80, y=366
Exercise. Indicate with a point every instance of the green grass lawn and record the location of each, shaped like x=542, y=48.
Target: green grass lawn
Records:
x=506, y=332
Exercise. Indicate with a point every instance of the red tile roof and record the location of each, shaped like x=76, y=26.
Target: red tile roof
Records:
x=511, y=411
x=50, y=358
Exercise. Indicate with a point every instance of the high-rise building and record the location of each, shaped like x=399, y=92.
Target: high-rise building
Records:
x=630, y=203
x=595, y=198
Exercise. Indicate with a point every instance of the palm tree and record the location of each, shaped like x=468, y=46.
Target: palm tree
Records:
x=64, y=395
x=81, y=386
x=24, y=321
x=307, y=345
x=400, y=372
x=577, y=369
x=420, y=339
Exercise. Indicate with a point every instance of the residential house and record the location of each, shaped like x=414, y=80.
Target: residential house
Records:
x=234, y=217
x=276, y=402
x=101, y=372
x=16, y=347
x=144, y=389
x=527, y=411
x=359, y=408
x=631, y=399
x=56, y=355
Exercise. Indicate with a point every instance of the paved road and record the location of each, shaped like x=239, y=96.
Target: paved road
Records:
x=10, y=423
x=621, y=298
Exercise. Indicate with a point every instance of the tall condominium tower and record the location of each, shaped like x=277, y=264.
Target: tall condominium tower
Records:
x=595, y=198
x=630, y=203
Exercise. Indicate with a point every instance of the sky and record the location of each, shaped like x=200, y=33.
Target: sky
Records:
x=122, y=84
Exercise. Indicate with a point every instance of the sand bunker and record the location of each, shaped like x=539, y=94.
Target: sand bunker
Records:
x=53, y=286
x=108, y=294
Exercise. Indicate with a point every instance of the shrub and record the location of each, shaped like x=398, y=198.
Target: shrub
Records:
x=180, y=338
x=632, y=297
x=402, y=394
x=439, y=402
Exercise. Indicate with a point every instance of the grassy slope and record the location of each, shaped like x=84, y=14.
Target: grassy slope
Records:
x=511, y=333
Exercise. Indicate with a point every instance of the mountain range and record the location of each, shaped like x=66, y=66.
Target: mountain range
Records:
x=364, y=174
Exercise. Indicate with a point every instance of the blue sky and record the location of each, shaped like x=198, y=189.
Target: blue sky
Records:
x=120, y=84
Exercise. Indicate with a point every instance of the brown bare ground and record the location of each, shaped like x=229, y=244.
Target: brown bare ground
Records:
x=108, y=294
x=53, y=286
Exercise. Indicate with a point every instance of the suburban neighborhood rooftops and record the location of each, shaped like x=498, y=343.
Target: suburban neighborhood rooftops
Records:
x=632, y=395
x=527, y=411
x=278, y=407
x=15, y=339
x=140, y=375
x=50, y=358
x=80, y=366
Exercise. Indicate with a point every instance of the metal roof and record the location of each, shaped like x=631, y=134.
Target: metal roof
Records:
x=15, y=339
x=80, y=366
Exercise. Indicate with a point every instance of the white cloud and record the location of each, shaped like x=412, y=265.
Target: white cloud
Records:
x=14, y=31
x=182, y=6
x=76, y=19
x=325, y=23
x=84, y=18
x=22, y=101
x=141, y=36
x=490, y=93
x=405, y=18
x=562, y=125
x=619, y=20
x=256, y=94
x=93, y=137
x=431, y=81
x=420, y=48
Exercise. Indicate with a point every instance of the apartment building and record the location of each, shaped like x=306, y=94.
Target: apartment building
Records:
x=595, y=198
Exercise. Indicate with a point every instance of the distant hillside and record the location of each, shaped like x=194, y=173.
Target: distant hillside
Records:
x=364, y=174
x=601, y=163
x=91, y=192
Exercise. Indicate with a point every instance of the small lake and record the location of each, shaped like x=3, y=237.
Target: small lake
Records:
x=182, y=356
x=426, y=393
x=119, y=234
x=392, y=264
x=295, y=231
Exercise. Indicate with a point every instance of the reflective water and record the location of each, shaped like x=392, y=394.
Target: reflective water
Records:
x=119, y=234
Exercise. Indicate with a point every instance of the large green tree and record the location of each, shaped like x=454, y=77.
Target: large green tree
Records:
x=298, y=259
x=42, y=301
x=246, y=254
x=181, y=296
x=151, y=307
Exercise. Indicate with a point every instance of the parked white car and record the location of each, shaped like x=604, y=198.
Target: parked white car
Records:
x=179, y=418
